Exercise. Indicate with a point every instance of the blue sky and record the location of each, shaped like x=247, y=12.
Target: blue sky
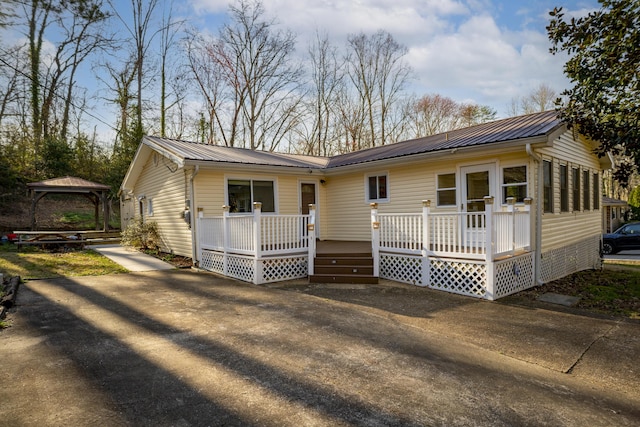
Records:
x=482, y=51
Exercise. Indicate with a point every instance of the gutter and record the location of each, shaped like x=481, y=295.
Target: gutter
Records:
x=540, y=196
x=194, y=234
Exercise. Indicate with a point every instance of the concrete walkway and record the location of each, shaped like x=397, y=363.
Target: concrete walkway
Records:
x=130, y=259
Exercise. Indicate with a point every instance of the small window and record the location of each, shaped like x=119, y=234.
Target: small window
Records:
x=243, y=192
x=575, y=182
x=446, y=192
x=514, y=183
x=564, y=188
x=377, y=188
x=548, y=185
x=150, y=207
x=596, y=191
x=587, y=190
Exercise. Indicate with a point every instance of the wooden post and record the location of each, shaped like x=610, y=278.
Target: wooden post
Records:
x=511, y=202
x=426, y=243
x=311, y=235
x=225, y=240
x=489, y=238
x=257, y=243
x=527, y=208
x=375, y=239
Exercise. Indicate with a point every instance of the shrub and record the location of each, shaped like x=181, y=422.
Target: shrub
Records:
x=142, y=235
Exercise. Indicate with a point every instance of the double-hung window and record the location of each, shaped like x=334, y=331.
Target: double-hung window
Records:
x=378, y=188
x=242, y=193
x=587, y=190
x=514, y=183
x=564, y=188
x=547, y=169
x=446, y=189
x=575, y=182
x=596, y=191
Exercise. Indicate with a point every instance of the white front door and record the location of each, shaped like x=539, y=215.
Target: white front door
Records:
x=477, y=182
x=308, y=196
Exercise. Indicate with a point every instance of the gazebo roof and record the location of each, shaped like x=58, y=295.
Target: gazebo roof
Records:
x=67, y=184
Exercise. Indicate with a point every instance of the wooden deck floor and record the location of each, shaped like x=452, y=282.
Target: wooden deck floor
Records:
x=342, y=247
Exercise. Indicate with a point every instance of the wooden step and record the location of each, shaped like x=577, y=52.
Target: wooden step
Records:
x=343, y=260
x=342, y=278
x=366, y=270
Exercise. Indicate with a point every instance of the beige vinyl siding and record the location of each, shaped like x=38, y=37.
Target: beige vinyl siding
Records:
x=163, y=183
x=564, y=228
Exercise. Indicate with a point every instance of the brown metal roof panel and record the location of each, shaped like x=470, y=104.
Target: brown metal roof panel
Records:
x=513, y=128
x=205, y=152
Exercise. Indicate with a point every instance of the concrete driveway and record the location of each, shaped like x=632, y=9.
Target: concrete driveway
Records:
x=179, y=348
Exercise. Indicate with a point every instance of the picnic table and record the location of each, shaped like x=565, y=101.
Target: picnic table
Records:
x=65, y=237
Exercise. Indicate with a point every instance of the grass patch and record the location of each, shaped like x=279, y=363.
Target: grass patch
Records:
x=34, y=263
x=614, y=291
x=79, y=220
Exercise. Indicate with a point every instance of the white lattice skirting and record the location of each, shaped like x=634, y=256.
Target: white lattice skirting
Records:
x=513, y=275
x=560, y=262
x=465, y=277
x=245, y=267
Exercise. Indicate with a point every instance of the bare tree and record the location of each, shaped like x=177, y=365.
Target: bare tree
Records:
x=250, y=75
x=379, y=74
x=168, y=33
x=432, y=114
x=139, y=28
x=326, y=81
x=542, y=98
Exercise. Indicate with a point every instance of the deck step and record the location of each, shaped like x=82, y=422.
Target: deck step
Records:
x=344, y=268
x=343, y=260
x=343, y=278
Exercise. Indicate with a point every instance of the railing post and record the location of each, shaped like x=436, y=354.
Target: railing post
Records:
x=527, y=208
x=257, y=242
x=311, y=235
x=511, y=202
x=375, y=239
x=489, y=239
x=225, y=240
x=426, y=243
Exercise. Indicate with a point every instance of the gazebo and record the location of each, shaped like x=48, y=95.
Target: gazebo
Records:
x=96, y=193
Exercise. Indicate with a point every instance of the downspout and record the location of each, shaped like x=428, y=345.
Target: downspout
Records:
x=194, y=234
x=538, y=232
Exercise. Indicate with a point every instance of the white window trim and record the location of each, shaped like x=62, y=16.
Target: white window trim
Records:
x=455, y=188
x=251, y=179
x=503, y=185
x=367, y=197
x=150, y=206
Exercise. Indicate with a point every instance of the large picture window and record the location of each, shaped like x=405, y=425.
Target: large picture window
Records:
x=514, y=183
x=377, y=188
x=243, y=192
x=446, y=191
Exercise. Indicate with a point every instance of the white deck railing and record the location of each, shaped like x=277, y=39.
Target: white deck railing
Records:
x=456, y=234
x=255, y=234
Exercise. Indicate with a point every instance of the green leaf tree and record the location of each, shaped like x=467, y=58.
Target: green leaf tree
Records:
x=604, y=68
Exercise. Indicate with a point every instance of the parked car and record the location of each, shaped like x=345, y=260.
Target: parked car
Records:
x=625, y=237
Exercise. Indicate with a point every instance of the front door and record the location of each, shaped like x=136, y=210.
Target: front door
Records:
x=307, y=197
x=477, y=182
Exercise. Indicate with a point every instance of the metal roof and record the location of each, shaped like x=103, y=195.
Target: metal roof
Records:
x=511, y=129
x=216, y=153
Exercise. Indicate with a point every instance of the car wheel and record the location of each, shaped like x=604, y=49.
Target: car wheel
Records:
x=608, y=248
